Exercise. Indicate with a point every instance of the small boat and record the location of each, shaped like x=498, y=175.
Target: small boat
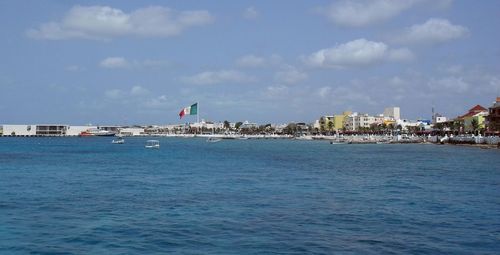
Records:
x=96, y=132
x=334, y=142
x=213, y=139
x=304, y=137
x=383, y=142
x=152, y=144
x=120, y=140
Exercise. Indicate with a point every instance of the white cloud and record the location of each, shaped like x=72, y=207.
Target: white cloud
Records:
x=276, y=91
x=120, y=62
x=251, y=61
x=250, y=13
x=402, y=54
x=138, y=91
x=114, y=62
x=290, y=75
x=356, y=53
x=433, y=30
x=104, y=23
x=324, y=92
x=217, y=77
x=449, y=84
x=114, y=93
x=362, y=13
x=157, y=102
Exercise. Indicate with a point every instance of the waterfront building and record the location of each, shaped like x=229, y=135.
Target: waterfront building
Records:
x=34, y=130
x=392, y=113
x=476, y=114
x=51, y=130
x=247, y=124
x=19, y=130
x=355, y=121
x=316, y=125
x=440, y=119
x=407, y=125
x=132, y=131
x=337, y=121
x=324, y=122
x=493, y=118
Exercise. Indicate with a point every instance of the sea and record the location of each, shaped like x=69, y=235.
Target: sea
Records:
x=89, y=196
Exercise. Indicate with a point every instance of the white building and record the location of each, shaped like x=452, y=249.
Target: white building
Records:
x=392, y=113
x=19, y=130
x=356, y=121
x=441, y=119
x=132, y=131
x=316, y=124
x=76, y=130
x=247, y=124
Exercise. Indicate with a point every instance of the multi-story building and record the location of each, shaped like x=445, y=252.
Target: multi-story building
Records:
x=476, y=114
x=34, y=130
x=51, y=130
x=19, y=130
x=324, y=122
x=493, y=119
x=337, y=121
x=392, y=113
x=355, y=121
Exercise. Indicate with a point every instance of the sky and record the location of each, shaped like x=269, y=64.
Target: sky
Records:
x=141, y=62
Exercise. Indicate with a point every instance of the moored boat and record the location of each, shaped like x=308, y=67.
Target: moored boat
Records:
x=152, y=144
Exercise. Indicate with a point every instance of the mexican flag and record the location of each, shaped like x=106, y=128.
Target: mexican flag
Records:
x=190, y=110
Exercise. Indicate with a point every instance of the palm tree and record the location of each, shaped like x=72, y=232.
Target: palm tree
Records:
x=475, y=125
x=330, y=126
x=226, y=124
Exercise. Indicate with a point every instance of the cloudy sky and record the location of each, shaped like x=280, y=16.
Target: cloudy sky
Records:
x=131, y=62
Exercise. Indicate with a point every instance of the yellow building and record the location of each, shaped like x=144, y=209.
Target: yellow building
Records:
x=337, y=121
x=324, y=123
x=479, y=119
x=388, y=122
x=476, y=114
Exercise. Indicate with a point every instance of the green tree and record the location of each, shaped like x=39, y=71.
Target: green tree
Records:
x=238, y=125
x=226, y=124
x=475, y=125
x=330, y=126
x=291, y=129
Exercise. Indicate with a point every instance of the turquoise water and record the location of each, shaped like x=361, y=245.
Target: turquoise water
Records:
x=88, y=196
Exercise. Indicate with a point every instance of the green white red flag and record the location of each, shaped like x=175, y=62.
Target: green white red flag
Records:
x=190, y=110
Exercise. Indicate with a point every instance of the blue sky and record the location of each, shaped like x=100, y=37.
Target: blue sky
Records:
x=138, y=62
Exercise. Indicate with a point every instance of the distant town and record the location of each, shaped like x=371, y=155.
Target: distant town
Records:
x=477, y=121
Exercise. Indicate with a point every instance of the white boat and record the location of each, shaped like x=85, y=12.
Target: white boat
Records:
x=334, y=142
x=304, y=137
x=213, y=139
x=119, y=140
x=152, y=144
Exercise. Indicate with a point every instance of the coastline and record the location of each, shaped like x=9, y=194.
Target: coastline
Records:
x=355, y=139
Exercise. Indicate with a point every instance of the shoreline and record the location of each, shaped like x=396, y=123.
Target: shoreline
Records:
x=360, y=139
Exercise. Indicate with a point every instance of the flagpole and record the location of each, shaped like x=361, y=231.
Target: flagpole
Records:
x=198, y=116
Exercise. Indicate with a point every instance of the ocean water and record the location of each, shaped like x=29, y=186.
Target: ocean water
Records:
x=88, y=196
